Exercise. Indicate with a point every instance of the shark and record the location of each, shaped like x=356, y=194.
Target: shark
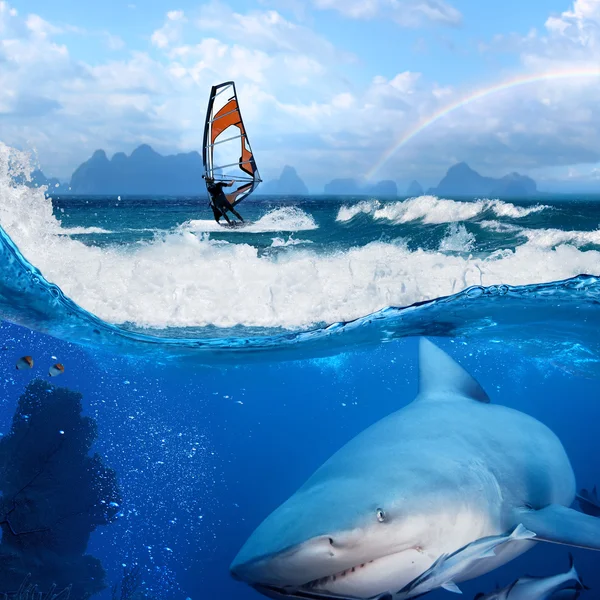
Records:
x=447, y=469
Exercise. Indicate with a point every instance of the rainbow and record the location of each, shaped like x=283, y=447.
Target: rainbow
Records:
x=481, y=93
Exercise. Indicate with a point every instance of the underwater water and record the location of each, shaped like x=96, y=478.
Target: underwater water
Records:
x=222, y=367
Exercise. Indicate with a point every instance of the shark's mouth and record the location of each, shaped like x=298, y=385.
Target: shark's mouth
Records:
x=317, y=589
x=307, y=594
x=323, y=581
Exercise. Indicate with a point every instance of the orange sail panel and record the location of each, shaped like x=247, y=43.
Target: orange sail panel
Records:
x=229, y=115
x=227, y=154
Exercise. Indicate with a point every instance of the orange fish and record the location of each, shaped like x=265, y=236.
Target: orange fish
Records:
x=55, y=370
x=25, y=362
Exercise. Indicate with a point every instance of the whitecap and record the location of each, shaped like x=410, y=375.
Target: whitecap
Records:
x=457, y=239
x=288, y=218
x=434, y=210
x=367, y=207
x=291, y=241
x=84, y=230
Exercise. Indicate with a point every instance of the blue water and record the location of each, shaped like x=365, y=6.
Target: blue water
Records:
x=223, y=367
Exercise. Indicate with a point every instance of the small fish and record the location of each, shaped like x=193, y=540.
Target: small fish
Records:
x=589, y=502
x=55, y=370
x=25, y=362
x=448, y=567
x=565, y=586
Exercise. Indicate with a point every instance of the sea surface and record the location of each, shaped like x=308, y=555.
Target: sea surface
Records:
x=223, y=366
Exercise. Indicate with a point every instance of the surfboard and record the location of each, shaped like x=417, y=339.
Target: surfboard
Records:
x=235, y=224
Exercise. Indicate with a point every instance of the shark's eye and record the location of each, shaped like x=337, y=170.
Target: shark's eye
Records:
x=381, y=515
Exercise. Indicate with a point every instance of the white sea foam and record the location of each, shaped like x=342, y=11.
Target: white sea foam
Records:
x=367, y=207
x=288, y=218
x=84, y=230
x=433, y=210
x=548, y=238
x=291, y=241
x=506, y=209
x=183, y=279
x=458, y=239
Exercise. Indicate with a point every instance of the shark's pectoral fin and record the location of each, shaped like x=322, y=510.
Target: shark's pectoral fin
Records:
x=450, y=586
x=562, y=525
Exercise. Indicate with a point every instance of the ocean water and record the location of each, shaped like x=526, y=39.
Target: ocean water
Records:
x=222, y=367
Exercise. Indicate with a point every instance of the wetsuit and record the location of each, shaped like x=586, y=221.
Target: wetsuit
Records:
x=219, y=203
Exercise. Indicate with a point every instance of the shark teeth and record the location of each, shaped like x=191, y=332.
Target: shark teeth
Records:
x=318, y=583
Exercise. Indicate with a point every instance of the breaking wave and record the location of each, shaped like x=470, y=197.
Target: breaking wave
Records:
x=367, y=207
x=433, y=210
x=548, y=238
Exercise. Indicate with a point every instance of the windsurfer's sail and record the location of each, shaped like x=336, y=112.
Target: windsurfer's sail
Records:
x=227, y=154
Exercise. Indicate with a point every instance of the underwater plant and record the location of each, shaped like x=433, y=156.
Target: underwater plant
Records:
x=53, y=494
x=29, y=591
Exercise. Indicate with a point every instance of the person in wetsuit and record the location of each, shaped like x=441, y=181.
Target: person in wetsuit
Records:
x=218, y=201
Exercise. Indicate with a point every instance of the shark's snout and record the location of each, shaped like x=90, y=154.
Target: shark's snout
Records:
x=293, y=566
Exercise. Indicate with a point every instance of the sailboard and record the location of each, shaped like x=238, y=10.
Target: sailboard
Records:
x=226, y=152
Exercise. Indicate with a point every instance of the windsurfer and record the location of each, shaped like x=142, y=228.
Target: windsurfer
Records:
x=218, y=201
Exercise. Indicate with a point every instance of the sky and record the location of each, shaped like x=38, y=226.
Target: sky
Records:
x=370, y=89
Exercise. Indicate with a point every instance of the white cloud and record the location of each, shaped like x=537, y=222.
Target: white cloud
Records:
x=65, y=108
x=113, y=42
x=170, y=32
x=298, y=8
x=408, y=13
x=438, y=10
x=268, y=31
x=39, y=27
x=547, y=122
x=355, y=9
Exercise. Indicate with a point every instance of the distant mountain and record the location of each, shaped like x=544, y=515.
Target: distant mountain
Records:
x=385, y=188
x=144, y=172
x=288, y=184
x=351, y=187
x=514, y=184
x=461, y=180
x=342, y=187
x=414, y=189
x=38, y=179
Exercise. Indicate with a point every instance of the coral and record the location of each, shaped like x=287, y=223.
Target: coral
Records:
x=30, y=592
x=54, y=494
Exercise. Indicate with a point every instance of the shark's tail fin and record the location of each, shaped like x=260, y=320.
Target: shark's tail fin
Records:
x=574, y=576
